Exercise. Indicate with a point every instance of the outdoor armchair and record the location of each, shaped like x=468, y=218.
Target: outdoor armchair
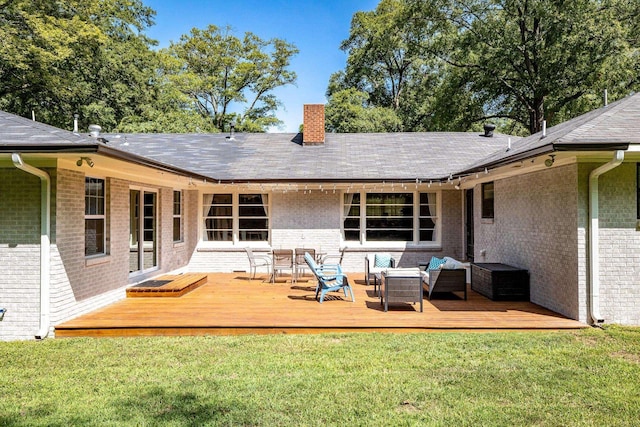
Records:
x=376, y=264
x=330, y=278
x=282, y=260
x=300, y=265
x=256, y=261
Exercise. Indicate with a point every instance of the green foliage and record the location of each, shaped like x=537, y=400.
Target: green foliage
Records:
x=583, y=378
x=91, y=57
x=387, y=63
x=58, y=58
x=346, y=112
x=530, y=60
x=229, y=79
x=452, y=64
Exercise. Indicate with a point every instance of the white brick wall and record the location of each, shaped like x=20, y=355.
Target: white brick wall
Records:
x=313, y=220
x=541, y=224
x=536, y=227
x=19, y=254
x=619, y=244
x=77, y=285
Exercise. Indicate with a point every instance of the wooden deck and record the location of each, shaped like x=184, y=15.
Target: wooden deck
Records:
x=231, y=304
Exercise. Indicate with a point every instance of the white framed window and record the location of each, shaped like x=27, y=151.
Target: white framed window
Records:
x=177, y=216
x=232, y=217
x=94, y=217
x=405, y=217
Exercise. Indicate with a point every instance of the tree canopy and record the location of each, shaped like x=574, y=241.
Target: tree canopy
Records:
x=89, y=57
x=218, y=71
x=451, y=64
x=92, y=58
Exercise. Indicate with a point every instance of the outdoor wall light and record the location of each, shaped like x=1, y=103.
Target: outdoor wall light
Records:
x=85, y=159
x=549, y=162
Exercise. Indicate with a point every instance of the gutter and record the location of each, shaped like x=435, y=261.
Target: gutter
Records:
x=45, y=241
x=594, y=229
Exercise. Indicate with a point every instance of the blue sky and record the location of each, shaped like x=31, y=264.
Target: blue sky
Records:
x=316, y=27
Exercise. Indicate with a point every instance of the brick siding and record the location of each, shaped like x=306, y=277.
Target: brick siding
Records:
x=536, y=227
x=19, y=254
x=313, y=220
x=619, y=242
x=78, y=284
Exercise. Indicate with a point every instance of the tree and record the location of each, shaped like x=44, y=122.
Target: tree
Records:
x=392, y=58
x=452, y=64
x=346, y=112
x=78, y=56
x=231, y=79
x=534, y=60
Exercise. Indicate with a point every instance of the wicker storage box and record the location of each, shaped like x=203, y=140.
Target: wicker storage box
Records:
x=500, y=282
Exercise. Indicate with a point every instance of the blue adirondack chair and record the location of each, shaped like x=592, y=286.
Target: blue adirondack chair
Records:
x=330, y=278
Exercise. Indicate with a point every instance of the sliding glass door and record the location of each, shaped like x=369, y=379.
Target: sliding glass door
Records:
x=143, y=251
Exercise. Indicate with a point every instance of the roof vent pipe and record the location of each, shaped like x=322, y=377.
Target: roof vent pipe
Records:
x=94, y=130
x=606, y=98
x=488, y=130
x=544, y=128
x=75, y=123
x=232, y=131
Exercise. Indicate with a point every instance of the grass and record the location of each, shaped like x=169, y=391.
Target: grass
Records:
x=579, y=378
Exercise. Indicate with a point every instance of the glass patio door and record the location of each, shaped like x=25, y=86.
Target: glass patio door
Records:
x=143, y=253
x=469, y=224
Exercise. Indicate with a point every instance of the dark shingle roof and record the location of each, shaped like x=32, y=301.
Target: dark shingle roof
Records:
x=343, y=157
x=18, y=131
x=610, y=127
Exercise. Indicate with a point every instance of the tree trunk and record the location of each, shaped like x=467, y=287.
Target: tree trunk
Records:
x=536, y=115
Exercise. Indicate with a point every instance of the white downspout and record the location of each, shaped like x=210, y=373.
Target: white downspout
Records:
x=594, y=229
x=45, y=240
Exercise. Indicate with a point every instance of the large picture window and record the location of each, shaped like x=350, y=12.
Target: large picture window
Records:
x=390, y=217
x=243, y=215
x=487, y=200
x=94, y=217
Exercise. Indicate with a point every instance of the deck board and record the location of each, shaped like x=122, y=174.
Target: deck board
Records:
x=231, y=304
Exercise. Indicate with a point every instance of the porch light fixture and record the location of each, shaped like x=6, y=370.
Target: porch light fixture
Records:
x=549, y=162
x=85, y=159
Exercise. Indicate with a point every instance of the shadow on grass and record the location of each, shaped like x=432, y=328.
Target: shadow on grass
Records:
x=160, y=407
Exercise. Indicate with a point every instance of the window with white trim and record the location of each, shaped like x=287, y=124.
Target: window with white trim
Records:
x=236, y=217
x=177, y=216
x=94, y=217
x=390, y=217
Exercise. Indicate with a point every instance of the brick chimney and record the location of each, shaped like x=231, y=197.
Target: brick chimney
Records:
x=313, y=124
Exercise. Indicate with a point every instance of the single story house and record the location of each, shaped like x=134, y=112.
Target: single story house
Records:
x=84, y=216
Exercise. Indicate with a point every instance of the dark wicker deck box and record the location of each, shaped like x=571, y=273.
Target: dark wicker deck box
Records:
x=500, y=282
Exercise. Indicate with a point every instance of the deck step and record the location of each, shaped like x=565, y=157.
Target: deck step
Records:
x=175, y=286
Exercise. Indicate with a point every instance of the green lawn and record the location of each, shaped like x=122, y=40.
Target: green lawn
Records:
x=588, y=377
